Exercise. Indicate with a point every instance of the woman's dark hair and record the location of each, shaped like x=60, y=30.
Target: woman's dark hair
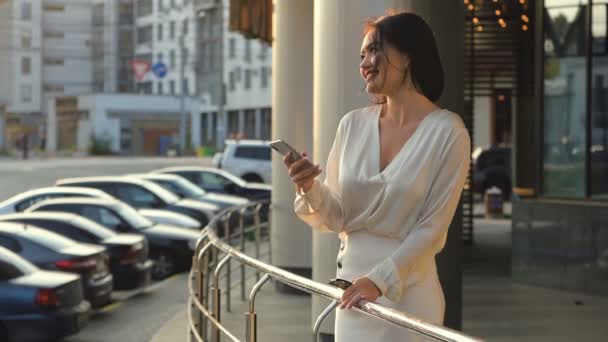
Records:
x=412, y=36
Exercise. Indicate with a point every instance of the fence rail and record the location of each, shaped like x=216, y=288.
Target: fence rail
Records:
x=204, y=286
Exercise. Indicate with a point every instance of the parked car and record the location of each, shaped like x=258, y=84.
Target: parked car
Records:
x=171, y=247
x=248, y=159
x=24, y=200
x=492, y=167
x=170, y=218
x=38, y=305
x=220, y=181
x=128, y=253
x=141, y=194
x=183, y=188
x=52, y=251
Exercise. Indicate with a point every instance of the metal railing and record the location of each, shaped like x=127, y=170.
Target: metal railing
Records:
x=205, y=321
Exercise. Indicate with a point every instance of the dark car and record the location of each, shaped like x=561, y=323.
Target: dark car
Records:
x=184, y=188
x=220, y=181
x=142, y=194
x=51, y=251
x=38, y=305
x=24, y=200
x=171, y=247
x=128, y=253
x=492, y=168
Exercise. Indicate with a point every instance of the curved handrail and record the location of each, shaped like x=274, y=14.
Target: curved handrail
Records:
x=332, y=293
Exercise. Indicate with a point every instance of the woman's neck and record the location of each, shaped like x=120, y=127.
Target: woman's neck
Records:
x=407, y=106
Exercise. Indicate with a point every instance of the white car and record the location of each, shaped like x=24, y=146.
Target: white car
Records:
x=24, y=200
x=248, y=159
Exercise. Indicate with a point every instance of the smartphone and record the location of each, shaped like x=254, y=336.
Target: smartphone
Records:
x=283, y=148
x=341, y=283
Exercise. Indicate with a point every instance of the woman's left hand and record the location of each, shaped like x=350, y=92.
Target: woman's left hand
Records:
x=362, y=288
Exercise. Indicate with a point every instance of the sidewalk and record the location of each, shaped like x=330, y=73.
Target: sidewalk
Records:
x=494, y=308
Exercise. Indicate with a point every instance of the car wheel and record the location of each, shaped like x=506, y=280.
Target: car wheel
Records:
x=164, y=265
x=252, y=178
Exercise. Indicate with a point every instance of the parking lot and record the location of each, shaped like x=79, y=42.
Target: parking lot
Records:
x=132, y=315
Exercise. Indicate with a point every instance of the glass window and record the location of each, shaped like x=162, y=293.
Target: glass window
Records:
x=159, y=32
x=12, y=266
x=247, y=79
x=565, y=103
x=185, y=87
x=172, y=30
x=232, y=48
x=161, y=5
x=26, y=11
x=10, y=243
x=136, y=196
x=264, y=77
x=211, y=181
x=160, y=88
x=26, y=65
x=172, y=59
x=599, y=102
x=253, y=152
x=247, y=50
x=144, y=34
x=172, y=87
x=186, y=27
x=101, y=215
x=144, y=8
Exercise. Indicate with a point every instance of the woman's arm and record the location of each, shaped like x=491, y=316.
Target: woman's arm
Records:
x=430, y=232
x=321, y=206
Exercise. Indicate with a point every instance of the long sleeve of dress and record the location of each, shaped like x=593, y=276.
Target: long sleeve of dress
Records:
x=430, y=231
x=321, y=206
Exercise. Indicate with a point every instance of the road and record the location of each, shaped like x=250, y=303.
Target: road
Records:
x=132, y=317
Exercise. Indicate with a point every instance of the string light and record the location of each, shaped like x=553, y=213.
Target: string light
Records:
x=497, y=12
x=479, y=28
x=523, y=2
x=524, y=27
x=475, y=20
x=471, y=7
x=525, y=18
x=466, y=2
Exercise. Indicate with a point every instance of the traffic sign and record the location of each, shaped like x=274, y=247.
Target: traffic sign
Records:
x=159, y=69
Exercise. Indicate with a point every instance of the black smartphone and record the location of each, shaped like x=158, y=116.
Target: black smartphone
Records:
x=341, y=283
x=283, y=148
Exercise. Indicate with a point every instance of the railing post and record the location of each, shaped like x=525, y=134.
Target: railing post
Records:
x=251, y=316
x=229, y=272
x=320, y=319
x=257, y=223
x=242, y=228
x=217, y=296
x=203, y=284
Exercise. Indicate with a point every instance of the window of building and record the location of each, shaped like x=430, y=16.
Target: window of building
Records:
x=26, y=65
x=144, y=88
x=172, y=59
x=247, y=50
x=54, y=7
x=144, y=34
x=232, y=48
x=144, y=8
x=53, y=61
x=160, y=57
x=247, y=79
x=575, y=132
x=161, y=5
x=54, y=34
x=159, y=32
x=26, y=93
x=266, y=124
x=186, y=26
x=159, y=88
x=185, y=57
x=172, y=30
x=54, y=88
x=172, y=87
x=172, y=4
x=263, y=52
x=185, y=87
x=264, y=77
x=26, y=11
x=249, y=124
x=26, y=40
x=233, y=123
x=231, y=81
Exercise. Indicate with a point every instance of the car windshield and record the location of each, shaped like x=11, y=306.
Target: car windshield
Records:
x=12, y=266
x=188, y=188
x=132, y=216
x=231, y=177
x=94, y=228
x=165, y=195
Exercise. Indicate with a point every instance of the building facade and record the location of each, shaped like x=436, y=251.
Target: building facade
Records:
x=43, y=43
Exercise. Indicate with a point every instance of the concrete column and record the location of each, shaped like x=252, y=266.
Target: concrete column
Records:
x=195, y=128
x=292, y=120
x=337, y=90
x=258, y=123
x=51, y=127
x=241, y=121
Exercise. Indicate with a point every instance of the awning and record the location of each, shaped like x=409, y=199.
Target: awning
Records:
x=252, y=18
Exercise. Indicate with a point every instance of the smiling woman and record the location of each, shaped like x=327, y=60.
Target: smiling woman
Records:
x=392, y=183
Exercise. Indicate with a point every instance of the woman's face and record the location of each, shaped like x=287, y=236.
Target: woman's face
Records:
x=382, y=66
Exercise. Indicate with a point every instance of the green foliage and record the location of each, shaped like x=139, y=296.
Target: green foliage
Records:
x=100, y=146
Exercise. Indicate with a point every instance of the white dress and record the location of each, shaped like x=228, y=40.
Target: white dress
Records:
x=391, y=223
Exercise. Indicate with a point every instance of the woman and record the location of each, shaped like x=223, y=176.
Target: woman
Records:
x=393, y=181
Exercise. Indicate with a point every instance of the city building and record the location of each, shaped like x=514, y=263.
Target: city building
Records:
x=43, y=42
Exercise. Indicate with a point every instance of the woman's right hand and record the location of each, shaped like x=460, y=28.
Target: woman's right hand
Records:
x=302, y=171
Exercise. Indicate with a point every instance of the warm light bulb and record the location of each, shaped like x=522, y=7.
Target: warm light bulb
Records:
x=524, y=27
x=479, y=28
x=471, y=7
x=525, y=18
x=475, y=20
x=497, y=12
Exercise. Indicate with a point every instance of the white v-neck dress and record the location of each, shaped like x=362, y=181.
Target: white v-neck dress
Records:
x=391, y=223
